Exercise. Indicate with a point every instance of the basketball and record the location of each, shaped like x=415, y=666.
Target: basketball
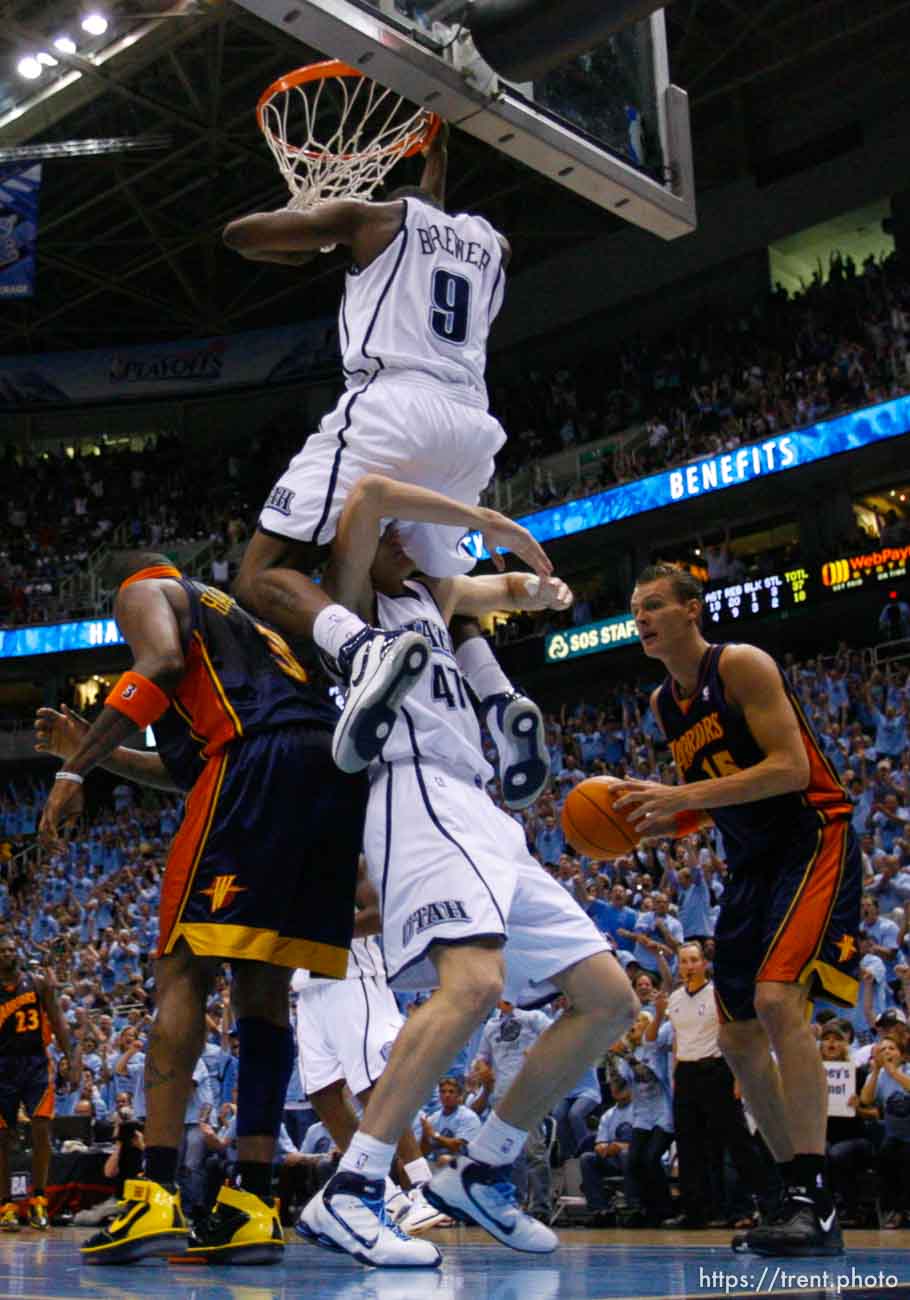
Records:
x=592, y=825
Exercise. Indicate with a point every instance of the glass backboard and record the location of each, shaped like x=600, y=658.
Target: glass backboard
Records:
x=607, y=124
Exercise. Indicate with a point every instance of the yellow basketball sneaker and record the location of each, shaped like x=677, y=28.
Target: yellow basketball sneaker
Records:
x=37, y=1214
x=241, y=1229
x=9, y=1218
x=149, y=1222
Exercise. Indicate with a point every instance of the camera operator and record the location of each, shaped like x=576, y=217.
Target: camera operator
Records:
x=125, y=1161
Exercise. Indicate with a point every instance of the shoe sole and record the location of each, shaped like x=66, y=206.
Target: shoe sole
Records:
x=791, y=1252
x=320, y=1239
x=359, y=739
x=259, y=1252
x=462, y=1216
x=317, y=1238
x=127, y=1252
x=523, y=727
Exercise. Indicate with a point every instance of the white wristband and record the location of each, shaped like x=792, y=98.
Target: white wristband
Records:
x=70, y=776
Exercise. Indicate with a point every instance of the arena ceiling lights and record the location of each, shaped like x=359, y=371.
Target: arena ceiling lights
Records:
x=57, y=55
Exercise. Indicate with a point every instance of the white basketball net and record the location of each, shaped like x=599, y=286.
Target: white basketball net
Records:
x=350, y=161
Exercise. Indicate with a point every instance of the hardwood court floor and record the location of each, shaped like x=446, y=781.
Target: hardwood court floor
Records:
x=607, y=1265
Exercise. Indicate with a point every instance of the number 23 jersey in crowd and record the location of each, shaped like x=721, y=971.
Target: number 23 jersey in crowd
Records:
x=24, y=1028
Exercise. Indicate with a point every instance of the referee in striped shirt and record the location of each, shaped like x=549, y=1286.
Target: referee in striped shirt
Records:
x=707, y=1116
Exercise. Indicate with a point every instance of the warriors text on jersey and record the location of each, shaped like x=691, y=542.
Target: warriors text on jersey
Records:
x=240, y=679
x=709, y=738
x=438, y=720
x=423, y=308
x=24, y=1027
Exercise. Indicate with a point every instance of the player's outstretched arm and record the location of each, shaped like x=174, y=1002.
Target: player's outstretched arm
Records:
x=435, y=167
x=509, y=592
x=150, y=627
x=62, y=733
x=285, y=231
x=374, y=498
x=287, y=236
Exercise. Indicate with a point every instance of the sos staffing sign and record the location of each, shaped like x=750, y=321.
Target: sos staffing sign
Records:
x=590, y=639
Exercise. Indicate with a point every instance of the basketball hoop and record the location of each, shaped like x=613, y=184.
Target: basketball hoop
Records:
x=373, y=129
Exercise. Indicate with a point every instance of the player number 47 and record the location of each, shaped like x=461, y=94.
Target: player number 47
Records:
x=442, y=690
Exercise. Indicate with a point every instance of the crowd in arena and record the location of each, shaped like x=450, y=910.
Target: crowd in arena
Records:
x=721, y=380
x=87, y=915
x=708, y=386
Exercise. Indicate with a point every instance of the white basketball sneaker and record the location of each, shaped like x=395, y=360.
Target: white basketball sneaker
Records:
x=397, y=1202
x=379, y=669
x=349, y=1215
x=516, y=725
x=421, y=1216
x=482, y=1194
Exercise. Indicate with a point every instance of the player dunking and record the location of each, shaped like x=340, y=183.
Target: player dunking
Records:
x=464, y=907
x=788, y=928
x=29, y=1016
x=418, y=304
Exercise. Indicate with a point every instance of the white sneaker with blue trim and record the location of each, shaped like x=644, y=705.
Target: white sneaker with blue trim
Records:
x=516, y=725
x=379, y=669
x=477, y=1193
x=349, y=1214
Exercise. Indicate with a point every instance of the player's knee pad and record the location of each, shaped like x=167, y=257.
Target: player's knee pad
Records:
x=266, y=1062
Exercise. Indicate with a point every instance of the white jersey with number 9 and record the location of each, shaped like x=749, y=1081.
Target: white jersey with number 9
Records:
x=424, y=306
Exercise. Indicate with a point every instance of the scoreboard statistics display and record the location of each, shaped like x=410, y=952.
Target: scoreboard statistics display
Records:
x=753, y=597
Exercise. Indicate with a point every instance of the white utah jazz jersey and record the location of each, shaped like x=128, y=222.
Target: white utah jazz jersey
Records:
x=424, y=306
x=365, y=958
x=437, y=720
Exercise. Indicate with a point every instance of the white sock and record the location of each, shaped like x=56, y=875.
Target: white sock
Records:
x=333, y=626
x=418, y=1171
x=497, y=1143
x=480, y=668
x=368, y=1156
x=391, y=1189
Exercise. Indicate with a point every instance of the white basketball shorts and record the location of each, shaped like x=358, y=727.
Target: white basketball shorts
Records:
x=345, y=1030
x=450, y=866
x=410, y=433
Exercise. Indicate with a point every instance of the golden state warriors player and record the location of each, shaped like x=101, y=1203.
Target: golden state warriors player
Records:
x=29, y=1016
x=418, y=303
x=262, y=871
x=788, y=928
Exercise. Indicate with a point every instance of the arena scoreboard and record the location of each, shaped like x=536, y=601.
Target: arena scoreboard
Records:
x=753, y=597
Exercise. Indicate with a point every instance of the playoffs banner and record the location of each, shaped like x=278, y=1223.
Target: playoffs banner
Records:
x=19, y=189
x=280, y=356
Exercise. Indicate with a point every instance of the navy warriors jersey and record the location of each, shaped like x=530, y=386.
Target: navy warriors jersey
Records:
x=424, y=306
x=240, y=679
x=437, y=720
x=710, y=738
x=24, y=1026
